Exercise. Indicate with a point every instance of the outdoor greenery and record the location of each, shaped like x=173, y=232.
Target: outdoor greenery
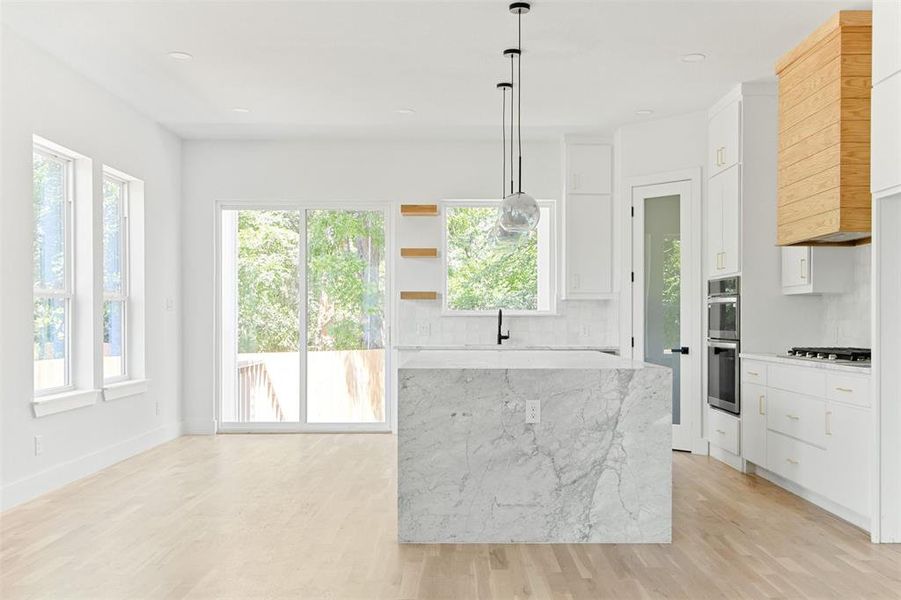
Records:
x=48, y=202
x=486, y=271
x=671, y=294
x=345, y=280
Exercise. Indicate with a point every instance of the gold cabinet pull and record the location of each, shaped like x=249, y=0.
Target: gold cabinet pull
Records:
x=828, y=422
x=803, y=269
x=760, y=407
x=843, y=389
x=721, y=432
x=793, y=417
x=792, y=461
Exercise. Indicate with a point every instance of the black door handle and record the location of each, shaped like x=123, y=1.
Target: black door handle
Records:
x=682, y=350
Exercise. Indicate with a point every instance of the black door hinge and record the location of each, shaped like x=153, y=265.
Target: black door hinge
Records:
x=633, y=211
x=633, y=276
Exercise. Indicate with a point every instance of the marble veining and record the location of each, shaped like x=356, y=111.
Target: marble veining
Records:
x=597, y=468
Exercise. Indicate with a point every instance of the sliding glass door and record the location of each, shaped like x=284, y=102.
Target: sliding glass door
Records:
x=303, y=319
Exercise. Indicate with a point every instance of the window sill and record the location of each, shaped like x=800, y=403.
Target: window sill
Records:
x=57, y=403
x=124, y=389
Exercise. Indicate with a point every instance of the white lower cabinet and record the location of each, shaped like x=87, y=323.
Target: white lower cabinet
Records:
x=724, y=431
x=810, y=426
x=753, y=421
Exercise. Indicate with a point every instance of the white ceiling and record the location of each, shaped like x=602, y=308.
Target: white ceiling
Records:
x=341, y=69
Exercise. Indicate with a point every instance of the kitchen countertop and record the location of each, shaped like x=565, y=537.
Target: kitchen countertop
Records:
x=859, y=368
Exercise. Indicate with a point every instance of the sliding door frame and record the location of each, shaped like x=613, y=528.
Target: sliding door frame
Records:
x=302, y=426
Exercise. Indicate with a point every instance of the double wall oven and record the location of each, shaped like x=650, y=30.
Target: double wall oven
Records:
x=723, y=381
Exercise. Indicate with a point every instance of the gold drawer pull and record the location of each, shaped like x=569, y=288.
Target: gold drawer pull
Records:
x=754, y=373
x=792, y=461
x=760, y=407
x=793, y=417
x=721, y=432
x=843, y=389
x=828, y=422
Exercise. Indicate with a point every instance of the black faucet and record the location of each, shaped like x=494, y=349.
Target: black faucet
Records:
x=500, y=319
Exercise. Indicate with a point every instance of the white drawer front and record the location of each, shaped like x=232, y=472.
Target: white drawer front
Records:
x=802, y=463
x=724, y=431
x=811, y=382
x=797, y=415
x=753, y=372
x=844, y=387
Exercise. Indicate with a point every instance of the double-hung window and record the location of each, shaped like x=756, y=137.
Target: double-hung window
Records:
x=487, y=269
x=115, y=277
x=52, y=194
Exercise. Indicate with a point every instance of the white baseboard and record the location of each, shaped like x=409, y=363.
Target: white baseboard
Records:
x=838, y=510
x=55, y=477
x=200, y=427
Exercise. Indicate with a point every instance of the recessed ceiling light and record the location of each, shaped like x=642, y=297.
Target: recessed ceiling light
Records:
x=694, y=57
x=405, y=111
x=183, y=56
x=644, y=112
x=240, y=109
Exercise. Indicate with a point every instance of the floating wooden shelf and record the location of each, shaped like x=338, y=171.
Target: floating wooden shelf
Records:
x=419, y=210
x=419, y=295
x=419, y=252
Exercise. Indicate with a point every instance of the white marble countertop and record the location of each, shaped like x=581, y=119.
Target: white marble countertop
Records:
x=525, y=359
x=858, y=368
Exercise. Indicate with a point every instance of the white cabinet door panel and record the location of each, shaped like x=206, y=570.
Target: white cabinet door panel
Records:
x=753, y=423
x=724, y=138
x=796, y=415
x=589, y=245
x=847, y=482
x=588, y=168
x=731, y=263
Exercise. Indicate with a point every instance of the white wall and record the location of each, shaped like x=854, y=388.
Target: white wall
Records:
x=388, y=171
x=44, y=97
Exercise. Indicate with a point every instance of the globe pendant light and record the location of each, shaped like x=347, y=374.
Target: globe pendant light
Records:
x=519, y=212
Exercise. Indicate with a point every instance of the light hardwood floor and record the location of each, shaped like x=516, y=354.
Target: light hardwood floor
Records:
x=313, y=516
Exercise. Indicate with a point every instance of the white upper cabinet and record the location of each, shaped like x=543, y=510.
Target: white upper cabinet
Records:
x=886, y=39
x=587, y=220
x=724, y=145
x=588, y=168
x=816, y=270
x=724, y=223
x=885, y=154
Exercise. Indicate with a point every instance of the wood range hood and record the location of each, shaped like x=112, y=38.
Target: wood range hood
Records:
x=824, y=135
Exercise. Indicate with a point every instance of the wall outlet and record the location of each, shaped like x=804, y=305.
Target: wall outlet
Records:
x=424, y=328
x=533, y=411
x=38, y=445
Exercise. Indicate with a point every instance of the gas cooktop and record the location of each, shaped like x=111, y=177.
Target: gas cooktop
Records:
x=833, y=354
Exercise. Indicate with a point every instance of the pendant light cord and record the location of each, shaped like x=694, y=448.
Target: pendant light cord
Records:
x=519, y=95
x=504, y=143
x=512, y=83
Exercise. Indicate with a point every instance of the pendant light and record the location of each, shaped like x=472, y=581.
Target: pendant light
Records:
x=519, y=212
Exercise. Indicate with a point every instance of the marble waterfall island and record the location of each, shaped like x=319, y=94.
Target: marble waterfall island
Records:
x=596, y=468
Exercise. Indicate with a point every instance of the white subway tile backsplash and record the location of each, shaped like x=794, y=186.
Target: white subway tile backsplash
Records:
x=847, y=316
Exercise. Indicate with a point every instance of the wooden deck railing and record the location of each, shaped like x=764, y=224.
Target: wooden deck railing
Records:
x=253, y=380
